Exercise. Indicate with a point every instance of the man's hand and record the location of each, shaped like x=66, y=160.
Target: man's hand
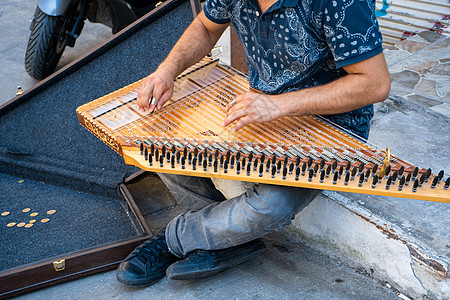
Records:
x=252, y=107
x=155, y=90
x=194, y=44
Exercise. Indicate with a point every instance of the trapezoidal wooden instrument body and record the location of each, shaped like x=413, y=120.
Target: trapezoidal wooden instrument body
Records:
x=186, y=137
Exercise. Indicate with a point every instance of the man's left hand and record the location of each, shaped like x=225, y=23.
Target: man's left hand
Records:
x=252, y=107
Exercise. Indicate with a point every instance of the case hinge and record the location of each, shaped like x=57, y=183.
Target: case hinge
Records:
x=59, y=265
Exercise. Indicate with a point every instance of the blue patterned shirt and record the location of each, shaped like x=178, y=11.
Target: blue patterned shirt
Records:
x=298, y=44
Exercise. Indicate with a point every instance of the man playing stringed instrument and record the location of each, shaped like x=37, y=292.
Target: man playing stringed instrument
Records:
x=312, y=57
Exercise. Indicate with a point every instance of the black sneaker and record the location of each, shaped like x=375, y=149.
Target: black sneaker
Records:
x=203, y=263
x=147, y=263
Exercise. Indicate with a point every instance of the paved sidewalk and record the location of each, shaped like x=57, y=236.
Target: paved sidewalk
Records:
x=287, y=270
x=420, y=72
x=403, y=242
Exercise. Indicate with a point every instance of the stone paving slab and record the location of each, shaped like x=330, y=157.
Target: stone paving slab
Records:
x=420, y=70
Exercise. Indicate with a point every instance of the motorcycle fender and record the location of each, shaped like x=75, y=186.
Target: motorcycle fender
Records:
x=55, y=7
x=123, y=14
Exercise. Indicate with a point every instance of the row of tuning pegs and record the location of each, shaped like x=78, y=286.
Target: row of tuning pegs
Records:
x=273, y=165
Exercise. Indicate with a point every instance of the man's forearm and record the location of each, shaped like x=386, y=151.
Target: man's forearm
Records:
x=196, y=42
x=343, y=95
x=198, y=39
x=366, y=82
x=355, y=90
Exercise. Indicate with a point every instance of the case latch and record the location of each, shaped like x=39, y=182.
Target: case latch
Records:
x=59, y=265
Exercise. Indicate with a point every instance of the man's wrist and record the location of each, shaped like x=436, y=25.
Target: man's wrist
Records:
x=286, y=104
x=169, y=68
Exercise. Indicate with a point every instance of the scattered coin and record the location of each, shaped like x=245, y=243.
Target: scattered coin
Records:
x=26, y=209
x=45, y=220
x=34, y=214
x=5, y=213
x=32, y=221
x=11, y=224
x=28, y=225
x=21, y=224
x=51, y=212
x=21, y=181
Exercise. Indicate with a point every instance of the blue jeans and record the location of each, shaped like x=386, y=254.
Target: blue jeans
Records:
x=213, y=222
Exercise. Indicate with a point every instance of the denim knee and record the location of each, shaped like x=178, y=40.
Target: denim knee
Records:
x=273, y=207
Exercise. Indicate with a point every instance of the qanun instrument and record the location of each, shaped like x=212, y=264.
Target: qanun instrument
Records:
x=186, y=137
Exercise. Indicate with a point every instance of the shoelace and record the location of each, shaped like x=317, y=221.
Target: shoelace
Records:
x=145, y=254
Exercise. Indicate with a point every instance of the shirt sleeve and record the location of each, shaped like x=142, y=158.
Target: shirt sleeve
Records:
x=217, y=11
x=352, y=30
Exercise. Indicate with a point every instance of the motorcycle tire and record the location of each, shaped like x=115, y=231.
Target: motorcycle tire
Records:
x=43, y=49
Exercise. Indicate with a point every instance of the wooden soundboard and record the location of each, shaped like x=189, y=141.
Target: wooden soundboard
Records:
x=186, y=137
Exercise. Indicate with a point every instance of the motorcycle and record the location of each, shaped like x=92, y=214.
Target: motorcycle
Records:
x=58, y=23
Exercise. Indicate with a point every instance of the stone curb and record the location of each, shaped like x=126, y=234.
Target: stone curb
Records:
x=361, y=239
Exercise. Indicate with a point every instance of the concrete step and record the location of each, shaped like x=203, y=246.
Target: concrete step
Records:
x=377, y=235
x=401, y=242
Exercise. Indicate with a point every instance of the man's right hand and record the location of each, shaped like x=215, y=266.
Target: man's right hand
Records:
x=194, y=44
x=158, y=87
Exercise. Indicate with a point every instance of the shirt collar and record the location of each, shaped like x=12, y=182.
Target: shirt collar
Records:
x=279, y=4
x=290, y=3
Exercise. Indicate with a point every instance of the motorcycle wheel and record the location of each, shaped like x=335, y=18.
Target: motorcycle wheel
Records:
x=45, y=45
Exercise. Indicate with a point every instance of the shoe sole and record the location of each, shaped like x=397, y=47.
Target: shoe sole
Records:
x=137, y=282
x=206, y=273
